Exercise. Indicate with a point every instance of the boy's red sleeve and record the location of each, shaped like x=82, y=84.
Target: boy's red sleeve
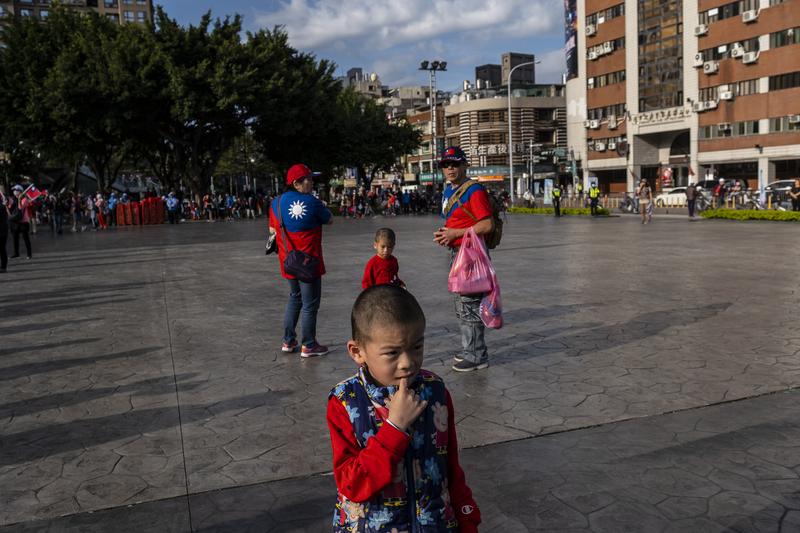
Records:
x=467, y=512
x=369, y=278
x=361, y=472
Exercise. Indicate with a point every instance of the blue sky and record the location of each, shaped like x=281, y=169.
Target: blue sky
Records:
x=392, y=37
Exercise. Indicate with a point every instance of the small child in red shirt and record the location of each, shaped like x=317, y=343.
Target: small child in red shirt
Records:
x=382, y=269
x=392, y=428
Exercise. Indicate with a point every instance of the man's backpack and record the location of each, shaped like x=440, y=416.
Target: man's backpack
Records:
x=492, y=239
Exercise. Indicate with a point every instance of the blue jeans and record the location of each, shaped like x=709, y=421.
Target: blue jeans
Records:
x=303, y=297
x=468, y=311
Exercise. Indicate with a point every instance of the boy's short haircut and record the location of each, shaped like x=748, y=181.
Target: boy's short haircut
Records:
x=385, y=234
x=385, y=305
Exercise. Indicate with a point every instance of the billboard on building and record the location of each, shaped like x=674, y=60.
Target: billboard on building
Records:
x=571, y=37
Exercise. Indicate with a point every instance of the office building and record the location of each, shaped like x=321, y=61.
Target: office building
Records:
x=705, y=89
x=128, y=11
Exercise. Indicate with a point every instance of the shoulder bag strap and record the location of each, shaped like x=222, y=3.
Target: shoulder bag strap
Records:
x=283, y=227
x=456, y=198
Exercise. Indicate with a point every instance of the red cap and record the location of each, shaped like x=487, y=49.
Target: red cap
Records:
x=297, y=172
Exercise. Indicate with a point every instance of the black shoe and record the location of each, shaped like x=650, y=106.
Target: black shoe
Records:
x=14, y=256
x=458, y=358
x=467, y=366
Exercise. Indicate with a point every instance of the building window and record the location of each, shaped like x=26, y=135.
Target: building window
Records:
x=597, y=113
x=2, y=11
x=127, y=2
x=491, y=116
x=110, y=3
x=737, y=129
x=775, y=2
x=784, y=37
x=141, y=2
x=26, y=12
x=113, y=16
x=141, y=16
x=784, y=81
x=782, y=124
x=660, y=36
x=727, y=11
x=128, y=16
x=26, y=2
x=452, y=122
x=605, y=15
x=43, y=14
x=723, y=51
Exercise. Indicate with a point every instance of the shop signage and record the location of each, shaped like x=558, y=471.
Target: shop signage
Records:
x=661, y=116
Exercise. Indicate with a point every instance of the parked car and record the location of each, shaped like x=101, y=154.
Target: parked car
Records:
x=672, y=197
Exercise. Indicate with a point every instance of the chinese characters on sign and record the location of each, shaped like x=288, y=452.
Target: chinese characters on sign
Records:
x=495, y=149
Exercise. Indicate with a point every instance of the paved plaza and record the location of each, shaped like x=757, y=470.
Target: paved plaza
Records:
x=647, y=378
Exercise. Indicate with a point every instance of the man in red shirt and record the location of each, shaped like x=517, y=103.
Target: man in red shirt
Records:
x=383, y=268
x=464, y=209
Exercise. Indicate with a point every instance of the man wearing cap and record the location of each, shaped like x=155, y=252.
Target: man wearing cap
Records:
x=302, y=215
x=463, y=208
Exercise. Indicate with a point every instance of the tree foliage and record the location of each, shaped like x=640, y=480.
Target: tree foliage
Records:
x=178, y=102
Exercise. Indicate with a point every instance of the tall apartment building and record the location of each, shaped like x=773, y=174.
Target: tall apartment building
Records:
x=526, y=74
x=708, y=87
x=135, y=11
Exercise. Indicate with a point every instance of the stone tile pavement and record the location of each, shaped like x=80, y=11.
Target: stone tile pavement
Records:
x=140, y=377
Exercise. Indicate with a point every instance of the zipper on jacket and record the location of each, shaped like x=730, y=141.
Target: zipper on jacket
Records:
x=411, y=491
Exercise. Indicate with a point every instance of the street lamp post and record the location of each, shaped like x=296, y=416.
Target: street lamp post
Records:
x=510, y=142
x=432, y=67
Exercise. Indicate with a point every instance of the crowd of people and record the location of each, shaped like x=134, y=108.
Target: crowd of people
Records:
x=391, y=202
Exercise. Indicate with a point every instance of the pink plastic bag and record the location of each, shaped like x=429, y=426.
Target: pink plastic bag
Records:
x=472, y=270
x=491, y=306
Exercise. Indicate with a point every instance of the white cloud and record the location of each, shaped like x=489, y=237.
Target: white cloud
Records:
x=382, y=24
x=552, y=67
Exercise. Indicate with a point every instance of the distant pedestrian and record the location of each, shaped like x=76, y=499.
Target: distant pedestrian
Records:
x=794, y=194
x=594, y=198
x=720, y=191
x=3, y=231
x=172, y=208
x=297, y=217
x=383, y=268
x=557, y=199
x=691, y=198
x=19, y=218
x=645, y=195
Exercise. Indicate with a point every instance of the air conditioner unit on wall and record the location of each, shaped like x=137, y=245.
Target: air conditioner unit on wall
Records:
x=600, y=147
x=726, y=95
x=594, y=124
x=608, y=47
x=591, y=29
x=592, y=55
x=612, y=122
x=749, y=16
x=723, y=127
x=612, y=146
x=737, y=50
x=702, y=29
x=710, y=67
x=698, y=60
x=698, y=107
x=794, y=119
x=710, y=104
x=749, y=58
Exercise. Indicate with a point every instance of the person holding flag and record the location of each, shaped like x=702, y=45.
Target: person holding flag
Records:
x=20, y=217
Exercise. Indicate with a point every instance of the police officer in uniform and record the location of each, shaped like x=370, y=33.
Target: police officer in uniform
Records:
x=557, y=199
x=594, y=198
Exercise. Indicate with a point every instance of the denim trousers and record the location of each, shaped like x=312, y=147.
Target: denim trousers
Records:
x=304, y=298
x=468, y=311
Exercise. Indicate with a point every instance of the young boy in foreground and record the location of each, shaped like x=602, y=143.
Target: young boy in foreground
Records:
x=395, y=454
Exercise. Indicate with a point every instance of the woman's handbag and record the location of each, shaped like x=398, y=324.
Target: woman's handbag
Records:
x=303, y=266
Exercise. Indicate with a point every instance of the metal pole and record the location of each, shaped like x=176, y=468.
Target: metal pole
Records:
x=434, y=132
x=430, y=103
x=510, y=141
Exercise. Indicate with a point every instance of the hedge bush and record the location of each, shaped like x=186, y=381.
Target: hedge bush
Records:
x=752, y=214
x=602, y=211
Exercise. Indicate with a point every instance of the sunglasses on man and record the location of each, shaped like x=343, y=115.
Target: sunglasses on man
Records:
x=449, y=164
